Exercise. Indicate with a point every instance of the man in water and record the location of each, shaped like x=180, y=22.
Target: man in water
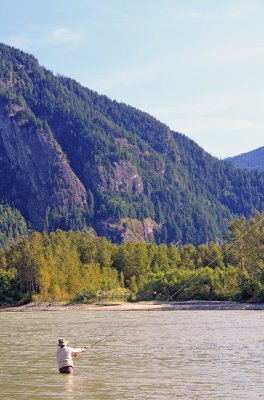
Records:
x=65, y=355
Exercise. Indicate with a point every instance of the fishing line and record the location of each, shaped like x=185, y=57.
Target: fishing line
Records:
x=187, y=283
x=115, y=331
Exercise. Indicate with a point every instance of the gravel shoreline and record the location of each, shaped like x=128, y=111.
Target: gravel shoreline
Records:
x=143, y=306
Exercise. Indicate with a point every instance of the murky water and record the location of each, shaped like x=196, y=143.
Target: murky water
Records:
x=164, y=355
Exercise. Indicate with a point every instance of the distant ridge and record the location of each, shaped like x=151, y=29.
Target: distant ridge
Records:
x=251, y=160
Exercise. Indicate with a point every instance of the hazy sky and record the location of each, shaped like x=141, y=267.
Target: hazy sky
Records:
x=196, y=65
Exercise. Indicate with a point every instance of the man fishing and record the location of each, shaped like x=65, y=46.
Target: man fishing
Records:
x=65, y=355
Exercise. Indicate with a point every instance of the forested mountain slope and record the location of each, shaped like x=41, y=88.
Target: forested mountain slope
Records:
x=250, y=160
x=71, y=158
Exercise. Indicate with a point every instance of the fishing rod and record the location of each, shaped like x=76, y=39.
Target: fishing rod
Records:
x=187, y=283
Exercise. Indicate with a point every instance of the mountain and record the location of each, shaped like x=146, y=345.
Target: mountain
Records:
x=252, y=159
x=71, y=158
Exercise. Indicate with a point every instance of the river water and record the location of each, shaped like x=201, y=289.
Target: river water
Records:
x=161, y=355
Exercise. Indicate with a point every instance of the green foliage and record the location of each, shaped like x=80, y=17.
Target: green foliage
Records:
x=12, y=224
x=9, y=286
x=78, y=266
x=248, y=253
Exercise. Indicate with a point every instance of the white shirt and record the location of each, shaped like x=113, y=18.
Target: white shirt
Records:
x=64, y=356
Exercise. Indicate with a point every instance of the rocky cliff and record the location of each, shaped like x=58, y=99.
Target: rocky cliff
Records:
x=34, y=173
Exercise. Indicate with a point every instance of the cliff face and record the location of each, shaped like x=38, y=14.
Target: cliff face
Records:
x=39, y=177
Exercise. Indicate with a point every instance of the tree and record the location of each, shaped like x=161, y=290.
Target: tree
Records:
x=248, y=248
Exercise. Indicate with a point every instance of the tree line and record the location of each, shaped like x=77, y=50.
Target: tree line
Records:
x=78, y=266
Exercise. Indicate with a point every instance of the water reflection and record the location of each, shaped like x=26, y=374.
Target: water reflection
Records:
x=69, y=386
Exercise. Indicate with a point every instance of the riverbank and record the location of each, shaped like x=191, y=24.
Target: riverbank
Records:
x=142, y=306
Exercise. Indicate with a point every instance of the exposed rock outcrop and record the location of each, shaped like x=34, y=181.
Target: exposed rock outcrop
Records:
x=40, y=177
x=125, y=143
x=123, y=176
x=130, y=230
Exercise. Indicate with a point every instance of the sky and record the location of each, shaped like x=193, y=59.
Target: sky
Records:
x=196, y=65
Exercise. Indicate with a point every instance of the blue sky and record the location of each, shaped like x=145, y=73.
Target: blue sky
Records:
x=196, y=65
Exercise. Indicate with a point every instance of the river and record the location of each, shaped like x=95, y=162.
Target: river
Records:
x=161, y=355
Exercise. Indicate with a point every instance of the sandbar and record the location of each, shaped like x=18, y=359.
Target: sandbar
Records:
x=141, y=306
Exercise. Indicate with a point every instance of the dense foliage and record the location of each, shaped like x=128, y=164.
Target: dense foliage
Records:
x=190, y=194
x=12, y=224
x=79, y=266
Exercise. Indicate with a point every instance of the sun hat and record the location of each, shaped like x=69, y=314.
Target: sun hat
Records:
x=62, y=342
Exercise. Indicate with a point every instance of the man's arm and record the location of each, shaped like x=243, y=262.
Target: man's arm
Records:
x=76, y=352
